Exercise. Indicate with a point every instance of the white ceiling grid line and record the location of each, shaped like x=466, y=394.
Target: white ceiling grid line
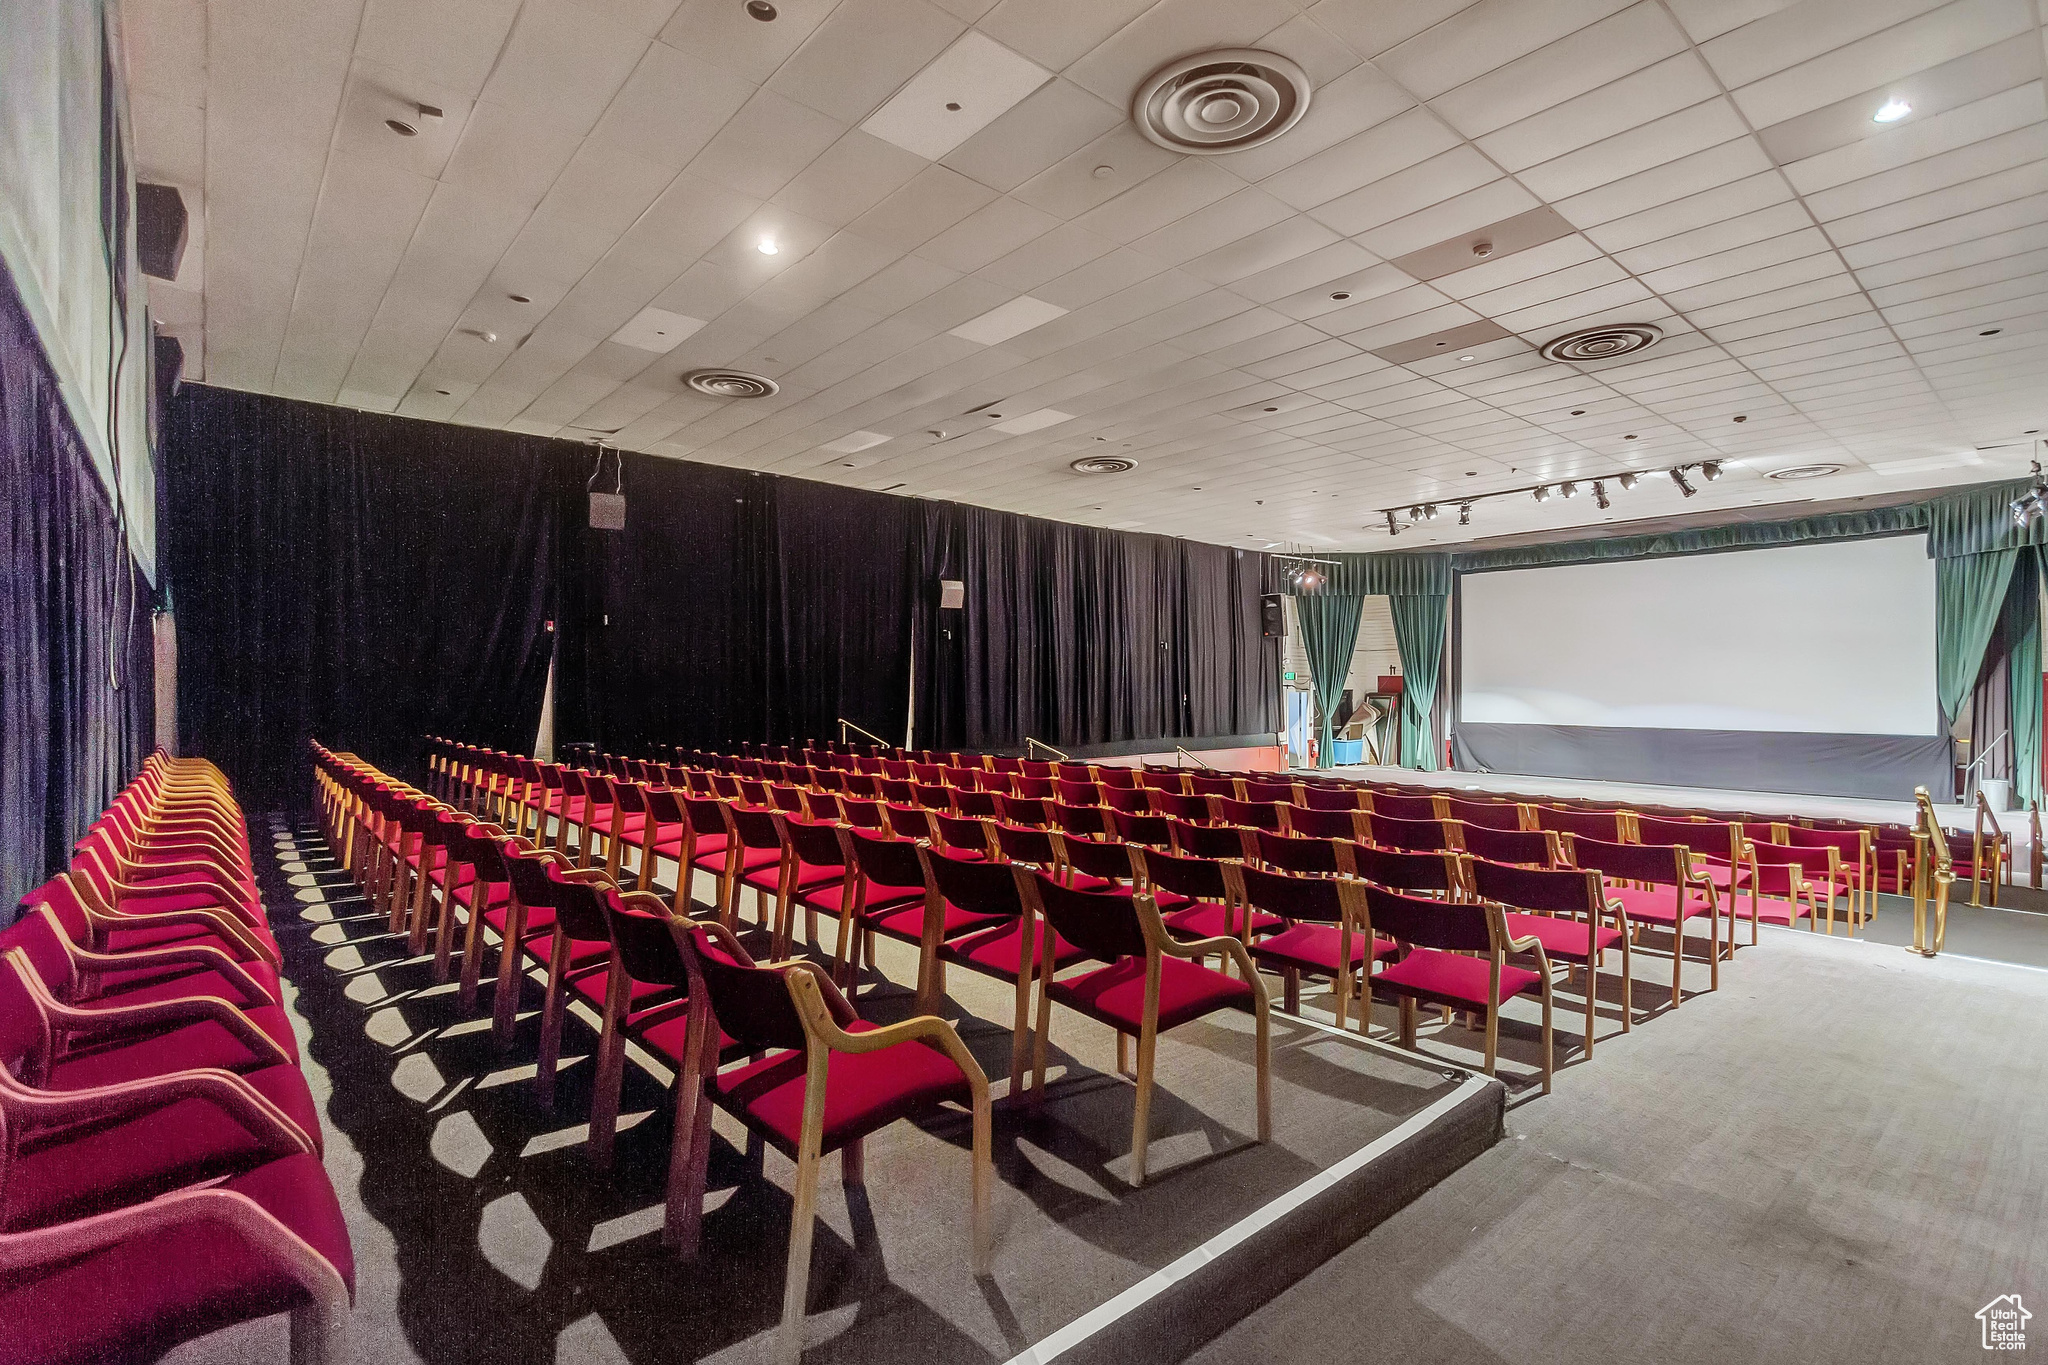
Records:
x=1865, y=295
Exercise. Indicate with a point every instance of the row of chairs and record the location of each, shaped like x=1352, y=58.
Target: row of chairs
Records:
x=160, y=1171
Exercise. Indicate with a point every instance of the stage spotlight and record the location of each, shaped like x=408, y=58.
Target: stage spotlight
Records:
x=1711, y=469
x=1415, y=512
x=1542, y=493
x=1393, y=527
x=1600, y=495
x=2033, y=502
x=1568, y=488
x=1311, y=580
x=1464, y=514
x=1678, y=477
x=1627, y=481
x=1429, y=511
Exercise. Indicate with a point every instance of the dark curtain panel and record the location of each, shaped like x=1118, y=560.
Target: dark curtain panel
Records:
x=360, y=578
x=76, y=703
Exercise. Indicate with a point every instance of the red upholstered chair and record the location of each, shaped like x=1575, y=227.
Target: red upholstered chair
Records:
x=1002, y=782
x=927, y=774
x=1038, y=848
x=1164, y=780
x=1260, y=789
x=1090, y=865
x=1071, y=793
x=824, y=1080
x=962, y=836
x=1194, y=810
x=1081, y=773
x=1033, y=812
x=1196, y=900
x=1004, y=764
x=579, y=959
x=933, y=795
x=754, y=792
x=889, y=897
x=1301, y=854
x=1146, y=983
x=908, y=822
x=1086, y=822
x=1320, y=932
x=1131, y=800
x=863, y=785
x=123, y=916
x=1783, y=875
x=1501, y=844
x=1570, y=913
x=1605, y=825
x=1718, y=851
x=963, y=779
x=1403, y=805
x=1208, y=841
x=1847, y=873
x=978, y=805
x=55, y=933
x=1441, y=966
x=1257, y=815
x=1416, y=836
x=790, y=800
x=1151, y=831
x=862, y=813
x=995, y=893
x=1438, y=874
x=1332, y=796
x=1326, y=824
x=757, y=858
x=1035, y=788
x=1658, y=884
x=1486, y=814
x=813, y=867
x=1213, y=784
x=896, y=769
x=1110, y=777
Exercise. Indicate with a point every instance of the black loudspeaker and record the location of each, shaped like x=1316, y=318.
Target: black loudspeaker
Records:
x=159, y=229
x=170, y=366
x=1273, y=616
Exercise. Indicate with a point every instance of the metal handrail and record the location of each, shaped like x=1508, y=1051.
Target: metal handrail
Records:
x=1031, y=744
x=1181, y=750
x=1933, y=871
x=1977, y=875
x=845, y=725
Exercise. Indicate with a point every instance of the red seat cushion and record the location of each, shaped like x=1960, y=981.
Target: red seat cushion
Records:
x=751, y=860
x=190, y=1047
x=1561, y=937
x=1116, y=994
x=1770, y=910
x=1314, y=948
x=582, y=951
x=1653, y=905
x=642, y=994
x=995, y=950
x=1452, y=977
x=178, y=1283
x=1088, y=881
x=809, y=877
x=134, y=937
x=1206, y=919
x=863, y=1090
x=668, y=1036
x=832, y=899
x=908, y=922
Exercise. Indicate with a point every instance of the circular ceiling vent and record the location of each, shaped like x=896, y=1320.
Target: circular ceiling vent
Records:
x=1603, y=343
x=1103, y=464
x=731, y=383
x=1804, y=471
x=1215, y=102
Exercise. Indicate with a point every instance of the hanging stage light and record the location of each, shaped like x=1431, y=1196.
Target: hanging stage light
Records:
x=1678, y=477
x=1627, y=481
x=1429, y=511
x=1568, y=488
x=1600, y=495
x=1542, y=493
x=1711, y=469
x=1415, y=513
x=1393, y=527
x=2032, y=503
x=1464, y=514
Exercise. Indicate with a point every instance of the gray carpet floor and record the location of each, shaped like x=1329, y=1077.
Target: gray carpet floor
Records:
x=1839, y=1156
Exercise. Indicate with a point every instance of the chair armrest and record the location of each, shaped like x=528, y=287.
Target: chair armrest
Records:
x=193, y=954
x=920, y=1028
x=224, y=1090
x=1228, y=946
x=115, y=1020
x=227, y=929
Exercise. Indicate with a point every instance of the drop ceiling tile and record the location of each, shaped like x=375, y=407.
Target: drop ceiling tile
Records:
x=1790, y=34
x=994, y=230
x=1604, y=51
x=901, y=283
x=1916, y=139
x=447, y=43
x=1162, y=200
x=1967, y=253
x=1453, y=217
x=1724, y=235
x=1483, y=37
x=1056, y=32
x=510, y=153
x=1670, y=85
x=1054, y=121
x=722, y=33
x=2015, y=214
x=1687, y=175
x=564, y=60
x=1119, y=64
x=1073, y=268
x=1078, y=181
x=1655, y=143
x=670, y=106
x=934, y=200
x=1755, y=282
x=967, y=87
x=2000, y=187
x=765, y=145
x=1400, y=141
x=1361, y=98
x=850, y=177
x=1441, y=177
x=1217, y=225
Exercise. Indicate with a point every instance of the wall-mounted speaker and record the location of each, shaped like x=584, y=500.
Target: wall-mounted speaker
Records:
x=952, y=594
x=159, y=229
x=1273, y=616
x=170, y=366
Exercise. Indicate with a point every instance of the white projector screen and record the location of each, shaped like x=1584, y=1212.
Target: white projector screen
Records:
x=1834, y=638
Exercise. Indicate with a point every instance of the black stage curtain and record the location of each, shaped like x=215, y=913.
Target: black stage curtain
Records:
x=357, y=578
x=1077, y=635
x=77, y=706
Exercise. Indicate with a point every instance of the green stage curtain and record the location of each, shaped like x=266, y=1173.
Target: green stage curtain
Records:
x=1419, y=634
x=1753, y=535
x=1969, y=592
x=2021, y=620
x=1329, y=632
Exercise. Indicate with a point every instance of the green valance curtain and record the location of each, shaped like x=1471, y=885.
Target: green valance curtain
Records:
x=1419, y=634
x=1417, y=572
x=1329, y=632
x=1755, y=535
x=1969, y=594
x=1978, y=520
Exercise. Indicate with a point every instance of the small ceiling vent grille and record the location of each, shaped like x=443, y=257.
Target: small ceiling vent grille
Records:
x=1215, y=102
x=731, y=383
x=1603, y=343
x=1103, y=464
x=1804, y=471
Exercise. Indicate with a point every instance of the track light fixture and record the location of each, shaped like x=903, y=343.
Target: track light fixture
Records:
x=1415, y=513
x=1568, y=488
x=1429, y=511
x=1627, y=481
x=1464, y=514
x=1393, y=527
x=1603, y=490
x=1710, y=470
x=1542, y=493
x=2032, y=503
x=1600, y=495
x=1678, y=477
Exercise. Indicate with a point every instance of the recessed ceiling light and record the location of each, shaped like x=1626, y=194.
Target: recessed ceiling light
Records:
x=482, y=335
x=1272, y=409
x=401, y=127
x=1741, y=419
x=1578, y=412
x=767, y=247
x=1990, y=331
x=1891, y=112
x=760, y=9
x=1340, y=295
x=1804, y=471
x=1629, y=437
x=1468, y=357
x=444, y=393
x=519, y=298
x=1103, y=172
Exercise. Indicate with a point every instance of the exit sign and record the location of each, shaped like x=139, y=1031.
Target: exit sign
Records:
x=1288, y=676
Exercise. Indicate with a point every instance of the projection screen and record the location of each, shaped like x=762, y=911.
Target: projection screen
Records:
x=1799, y=668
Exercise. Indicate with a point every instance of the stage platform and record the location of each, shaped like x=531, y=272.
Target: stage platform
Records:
x=484, y=1233
x=1637, y=793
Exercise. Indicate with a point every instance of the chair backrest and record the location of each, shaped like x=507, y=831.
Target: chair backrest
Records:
x=899, y=791
x=753, y=826
x=963, y=779
x=886, y=861
x=1295, y=897
x=1098, y=860
x=646, y=946
x=1164, y=780
x=1450, y=926
x=1331, y=796
x=1301, y=855
x=1389, y=831
x=579, y=908
x=864, y=785
x=1407, y=871
x=1002, y=764
x=1153, y=831
x=1324, y=824
x=1074, y=793
x=1021, y=810
x=1086, y=821
x=1256, y=789
x=1530, y=847
x=1195, y=809
x=1110, y=777
x=752, y=1004
x=980, y=888
x=1716, y=839
x=1598, y=824
x=1212, y=784
x=1136, y=800
x=1484, y=814
x=1102, y=924
x=1200, y=879
x=908, y=822
x=1023, y=844
x=1576, y=891
x=927, y=774
x=1851, y=844
x=1036, y=788
x=1262, y=815
x=816, y=842
x=980, y=804
x=1033, y=767
x=1206, y=841
x=962, y=832
x=1655, y=864
x=863, y=813
x=1403, y=805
